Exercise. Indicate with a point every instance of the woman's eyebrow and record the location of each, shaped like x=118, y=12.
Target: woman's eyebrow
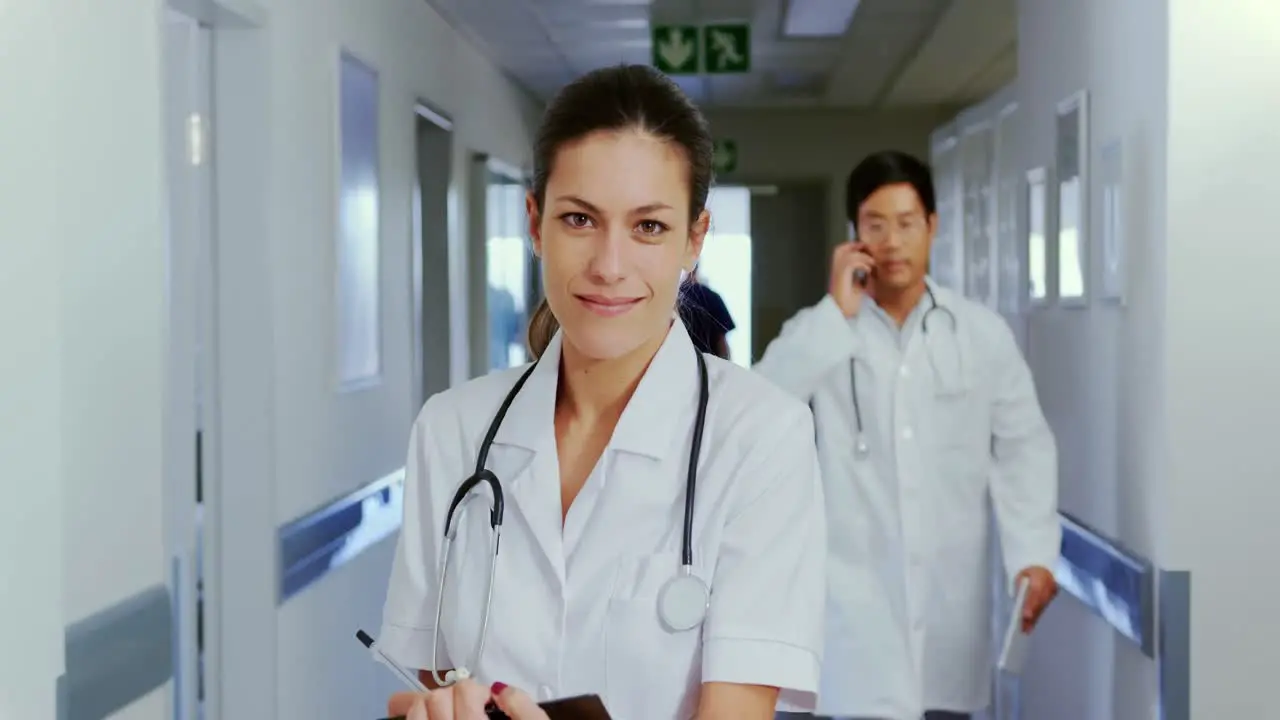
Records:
x=575, y=200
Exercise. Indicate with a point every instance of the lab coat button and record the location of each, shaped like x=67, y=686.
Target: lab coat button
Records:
x=545, y=692
x=907, y=433
x=904, y=372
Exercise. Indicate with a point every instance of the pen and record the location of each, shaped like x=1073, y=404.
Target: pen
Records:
x=409, y=678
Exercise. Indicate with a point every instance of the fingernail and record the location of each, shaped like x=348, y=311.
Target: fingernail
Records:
x=497, y=688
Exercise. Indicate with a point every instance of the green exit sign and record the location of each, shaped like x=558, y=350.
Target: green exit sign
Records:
x=675, y=49
x=727, y=47
x=724, y=159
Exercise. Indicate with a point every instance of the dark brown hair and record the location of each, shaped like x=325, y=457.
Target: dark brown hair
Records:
x=618, y=98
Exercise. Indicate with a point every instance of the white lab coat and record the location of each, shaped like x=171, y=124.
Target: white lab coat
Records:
x=909, y=604
x=575, y=605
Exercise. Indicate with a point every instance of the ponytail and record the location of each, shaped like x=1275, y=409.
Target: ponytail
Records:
x=542, y=327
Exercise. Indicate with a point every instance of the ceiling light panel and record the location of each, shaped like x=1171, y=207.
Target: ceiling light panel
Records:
x=818, y=18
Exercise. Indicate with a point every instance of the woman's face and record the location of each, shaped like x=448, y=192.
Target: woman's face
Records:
x=614, y=235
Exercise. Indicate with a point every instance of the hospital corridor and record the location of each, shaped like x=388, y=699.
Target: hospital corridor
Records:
x=243, y=242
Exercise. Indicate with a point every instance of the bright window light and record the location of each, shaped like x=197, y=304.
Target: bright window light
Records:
x=725, y=265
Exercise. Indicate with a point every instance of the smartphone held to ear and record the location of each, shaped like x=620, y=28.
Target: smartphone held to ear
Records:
x=862, y=277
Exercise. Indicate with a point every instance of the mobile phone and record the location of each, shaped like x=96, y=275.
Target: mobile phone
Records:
x=579, y=707
x=861, y=277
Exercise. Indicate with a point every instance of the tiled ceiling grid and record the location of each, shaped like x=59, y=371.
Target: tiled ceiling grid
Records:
x=896, y=52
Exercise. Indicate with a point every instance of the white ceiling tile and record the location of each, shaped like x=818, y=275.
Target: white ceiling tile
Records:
x=543, y=43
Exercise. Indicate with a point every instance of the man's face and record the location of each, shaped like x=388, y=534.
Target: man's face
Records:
x=895, y=228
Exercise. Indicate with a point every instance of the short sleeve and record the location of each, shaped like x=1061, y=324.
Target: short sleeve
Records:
x=409, y=615
x=768, y=595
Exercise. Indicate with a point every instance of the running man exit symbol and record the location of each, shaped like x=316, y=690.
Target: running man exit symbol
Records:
x=728, y=47
x=675, y=49
x=725, y=157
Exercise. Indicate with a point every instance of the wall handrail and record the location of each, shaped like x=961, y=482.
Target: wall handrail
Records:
x=1112, y=581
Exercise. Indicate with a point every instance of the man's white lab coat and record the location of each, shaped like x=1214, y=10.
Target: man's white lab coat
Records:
x=952, y=421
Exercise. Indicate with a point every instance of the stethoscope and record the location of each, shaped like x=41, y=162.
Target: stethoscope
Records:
x=861, y=448
x=682, y=601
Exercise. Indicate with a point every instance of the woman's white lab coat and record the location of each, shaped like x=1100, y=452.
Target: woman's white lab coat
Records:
x=952, y=420
x=575, y=602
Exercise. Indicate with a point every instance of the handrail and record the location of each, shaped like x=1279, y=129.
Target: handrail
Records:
x=324, y=539
x=1115, y=583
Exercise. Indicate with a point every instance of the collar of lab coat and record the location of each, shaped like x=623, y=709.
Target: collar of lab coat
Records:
x=665, y=394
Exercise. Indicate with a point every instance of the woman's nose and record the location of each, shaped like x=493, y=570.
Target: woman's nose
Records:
x=607, y=261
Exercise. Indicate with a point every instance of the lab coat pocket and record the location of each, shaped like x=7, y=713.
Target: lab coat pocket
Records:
x=958, y=417
x=651, y=671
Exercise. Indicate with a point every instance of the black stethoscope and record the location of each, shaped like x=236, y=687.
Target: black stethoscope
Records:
x=861, y=448
x=682, y=602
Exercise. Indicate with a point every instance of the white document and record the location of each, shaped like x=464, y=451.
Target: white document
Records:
x=1013, y=653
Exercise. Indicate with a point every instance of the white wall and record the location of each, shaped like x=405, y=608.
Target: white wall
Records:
x=324, y=443
x=82, y=265
x=809, y=144
x=31, y=320
x=1222, y=489
x=1099, y=369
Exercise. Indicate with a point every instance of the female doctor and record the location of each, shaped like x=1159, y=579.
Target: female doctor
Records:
x=663, y=541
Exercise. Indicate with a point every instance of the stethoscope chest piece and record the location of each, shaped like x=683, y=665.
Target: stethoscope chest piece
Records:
x=683, y=600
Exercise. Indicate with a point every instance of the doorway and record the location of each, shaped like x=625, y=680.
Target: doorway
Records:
x=509, y=293
x=188, y=104
x=430, y=263
x=725, y=265
x=789, y=233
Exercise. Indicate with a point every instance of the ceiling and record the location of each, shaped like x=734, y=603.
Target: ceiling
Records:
x=894, y=52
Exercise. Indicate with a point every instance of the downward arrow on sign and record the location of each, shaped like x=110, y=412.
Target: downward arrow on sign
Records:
x=675, y=50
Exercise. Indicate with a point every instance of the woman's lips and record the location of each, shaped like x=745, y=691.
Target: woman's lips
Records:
x=608, y=306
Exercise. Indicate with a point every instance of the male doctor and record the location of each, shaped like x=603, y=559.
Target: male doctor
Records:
x=927, y=421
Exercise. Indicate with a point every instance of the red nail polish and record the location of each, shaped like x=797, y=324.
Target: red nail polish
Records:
x=497, y=688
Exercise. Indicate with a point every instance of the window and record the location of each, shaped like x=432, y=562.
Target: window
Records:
x=507, y=272
x=725, y=265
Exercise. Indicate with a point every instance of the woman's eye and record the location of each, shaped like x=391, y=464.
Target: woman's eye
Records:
x=576, y=220
x=651, y=227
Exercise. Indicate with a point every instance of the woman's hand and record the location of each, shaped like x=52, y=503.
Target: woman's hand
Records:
x=465, y=701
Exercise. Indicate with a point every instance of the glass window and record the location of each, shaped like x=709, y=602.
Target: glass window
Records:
x=725, y=264
x=508, y=270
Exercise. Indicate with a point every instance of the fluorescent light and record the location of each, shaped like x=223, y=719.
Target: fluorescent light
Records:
x=818, y=18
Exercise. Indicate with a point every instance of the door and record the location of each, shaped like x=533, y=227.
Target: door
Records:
x=187, y=101
x=431, y=255
x=789, y=248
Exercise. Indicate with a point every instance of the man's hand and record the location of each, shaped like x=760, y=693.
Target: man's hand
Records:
x=1041, y=589
x=849, y=259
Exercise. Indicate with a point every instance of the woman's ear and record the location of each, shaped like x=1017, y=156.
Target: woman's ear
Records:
x=535, y=222
x=697, y=235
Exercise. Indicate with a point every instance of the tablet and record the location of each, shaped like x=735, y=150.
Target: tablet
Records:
x=579, y=707
x=1013, y=652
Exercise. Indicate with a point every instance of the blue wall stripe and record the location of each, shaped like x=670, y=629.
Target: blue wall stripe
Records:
x=1115, y=583
x=311, y=546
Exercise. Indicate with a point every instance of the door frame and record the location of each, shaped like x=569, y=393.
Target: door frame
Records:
x=237, y=455
x=424, y=111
